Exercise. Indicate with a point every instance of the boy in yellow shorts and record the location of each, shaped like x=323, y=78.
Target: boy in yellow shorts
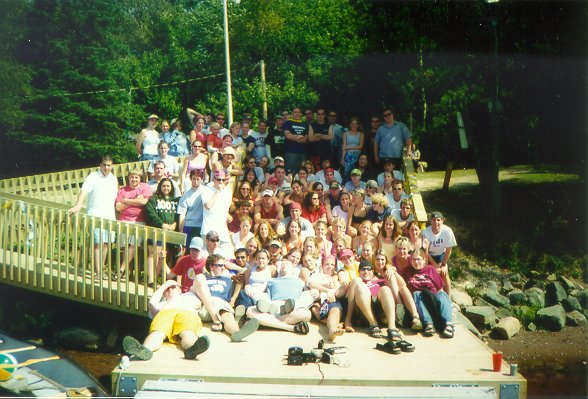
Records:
x=175, y=318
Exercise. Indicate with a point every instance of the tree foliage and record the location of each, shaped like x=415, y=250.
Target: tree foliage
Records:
x=79, y=77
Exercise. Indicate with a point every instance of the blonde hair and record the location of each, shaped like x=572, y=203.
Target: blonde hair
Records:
x=136, y=172
x=380, y=199
x=402, y=242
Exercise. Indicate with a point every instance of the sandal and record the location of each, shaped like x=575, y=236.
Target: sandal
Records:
x=122, y=276
x=428, y=330
x=301, y=328
x=217, y=326
x=375, y=331
x=448, y=331
x=389, y=347
x=405, y=346
x=393, y=335
x=416, y=324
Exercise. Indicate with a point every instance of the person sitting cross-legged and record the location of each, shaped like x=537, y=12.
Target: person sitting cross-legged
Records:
x=288, y=309
x=175, y=318
x=215, y=289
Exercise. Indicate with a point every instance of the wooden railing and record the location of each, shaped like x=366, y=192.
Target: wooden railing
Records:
x=411, y=186
x=43, y=248
x=63, y=187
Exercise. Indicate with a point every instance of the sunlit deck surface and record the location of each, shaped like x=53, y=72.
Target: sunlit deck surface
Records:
x=463, y=360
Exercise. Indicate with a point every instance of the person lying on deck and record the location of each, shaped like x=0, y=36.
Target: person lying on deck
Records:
x=175, y=318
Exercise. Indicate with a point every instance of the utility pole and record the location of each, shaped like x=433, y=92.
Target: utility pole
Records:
x=228, y=65
x=263, y=89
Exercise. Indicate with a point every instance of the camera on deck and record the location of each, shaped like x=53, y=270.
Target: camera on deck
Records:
x=297, y=356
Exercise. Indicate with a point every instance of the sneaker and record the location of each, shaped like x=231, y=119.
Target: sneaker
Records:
x=263, y=305
x=200, y=346
x=239, y=313
x=288, y=306
x=248, y=328
x=135, y=349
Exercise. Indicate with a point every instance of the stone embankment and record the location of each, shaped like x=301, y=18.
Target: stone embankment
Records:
x=501, y=307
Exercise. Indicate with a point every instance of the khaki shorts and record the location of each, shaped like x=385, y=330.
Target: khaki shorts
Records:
x=173, y=321
x=218, y=304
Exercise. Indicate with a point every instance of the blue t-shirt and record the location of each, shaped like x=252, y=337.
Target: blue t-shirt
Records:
x=391, y=139
x=283, y=288
x=220, y=286
x=297, y=128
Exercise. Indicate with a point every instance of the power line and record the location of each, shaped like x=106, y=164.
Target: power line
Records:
x=135, y=88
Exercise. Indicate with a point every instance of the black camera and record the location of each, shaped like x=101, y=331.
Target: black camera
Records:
x=297, y=356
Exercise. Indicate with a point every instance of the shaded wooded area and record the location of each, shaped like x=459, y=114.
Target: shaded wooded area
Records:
x=78, y=77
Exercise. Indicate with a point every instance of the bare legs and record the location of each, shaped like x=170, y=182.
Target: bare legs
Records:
x=283, y=322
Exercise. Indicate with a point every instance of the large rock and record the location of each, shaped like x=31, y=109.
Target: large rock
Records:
x=492, y=286
x=554, y=293
x=507, y=328
x=461, y=299
x=516, y=297
x=582, y=297
x=77, y=337
x=571, y=303
x=479, y=301
x=460, y=318
x=507, y=287
x=483, y=317
x=567, y=284
x=535, y=297
x=552, y=318
x=496, y=299
x=576, y=319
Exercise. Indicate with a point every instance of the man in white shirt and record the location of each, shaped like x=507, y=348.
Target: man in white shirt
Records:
x=441, y=242
x=217, y=201
x=100, y=189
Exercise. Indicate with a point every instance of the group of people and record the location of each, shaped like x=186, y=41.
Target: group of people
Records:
x=308, y=220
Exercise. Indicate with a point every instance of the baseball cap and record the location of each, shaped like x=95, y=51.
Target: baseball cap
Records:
x=371, y=184
x=365, y=264
x=273, y=180
x=229, y=151
x=345, y=252
x=356, y=172
x=275, y=242
x=335, y=184
x=437, y=215
x=225, y=134
x=196, y=243
x=295, y=205
x=153, y=116
x=279, y=159
x=267, y=192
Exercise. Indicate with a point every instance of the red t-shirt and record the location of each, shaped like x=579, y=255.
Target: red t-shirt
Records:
x=314, y=215
x=188, y=268
x=214, y=141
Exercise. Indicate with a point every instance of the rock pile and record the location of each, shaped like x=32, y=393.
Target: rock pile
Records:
x=502, y=309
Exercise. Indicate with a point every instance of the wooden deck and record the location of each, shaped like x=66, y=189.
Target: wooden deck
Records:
x=464, y=360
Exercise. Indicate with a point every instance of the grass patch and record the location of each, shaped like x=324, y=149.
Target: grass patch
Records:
x=542, y=226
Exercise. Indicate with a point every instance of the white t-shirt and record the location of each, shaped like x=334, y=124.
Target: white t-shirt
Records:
x=395, y=204
x=216, y=217
x=439, y=242
x=101, y=191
